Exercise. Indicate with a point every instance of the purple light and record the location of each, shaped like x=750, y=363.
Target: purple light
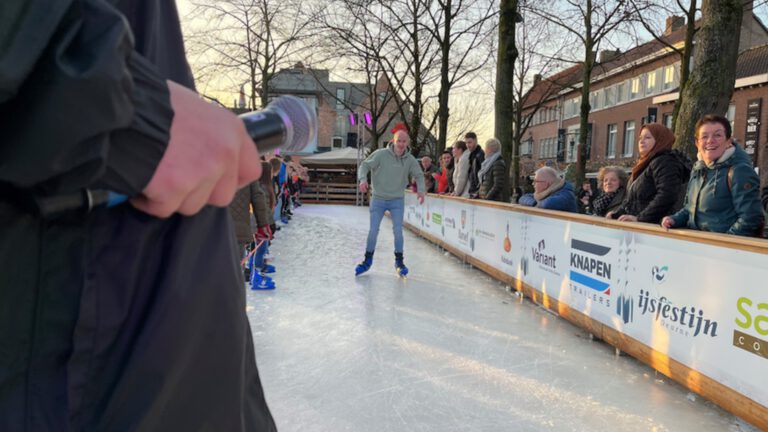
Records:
x=352, y=119
x=368, y=118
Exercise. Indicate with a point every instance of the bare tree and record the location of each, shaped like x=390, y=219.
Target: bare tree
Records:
x=410, y=62
x=352, y=33
x=689, y=10
x=531, y=92
x=460, y=29
x=592, y=22
x=247, y=41
x=712, y=79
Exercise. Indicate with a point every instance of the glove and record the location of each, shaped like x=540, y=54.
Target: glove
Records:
x=263, y=233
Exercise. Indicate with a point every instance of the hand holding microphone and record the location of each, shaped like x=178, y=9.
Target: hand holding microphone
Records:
x=211, y=152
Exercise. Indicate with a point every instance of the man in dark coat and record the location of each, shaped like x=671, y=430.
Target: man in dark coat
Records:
x=476, y=158
x=131, y=317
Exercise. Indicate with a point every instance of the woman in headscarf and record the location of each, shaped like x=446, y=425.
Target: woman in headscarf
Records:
x=659, y=178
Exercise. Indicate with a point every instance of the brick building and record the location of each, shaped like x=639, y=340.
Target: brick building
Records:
x=334, y=102
x=632, y=88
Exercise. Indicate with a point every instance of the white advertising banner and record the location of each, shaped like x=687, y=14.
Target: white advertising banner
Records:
x=704, y=306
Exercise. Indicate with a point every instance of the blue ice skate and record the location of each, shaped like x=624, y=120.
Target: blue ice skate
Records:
x=259, y=282
x=400, y=267
x=267, y=269
x=365, y=265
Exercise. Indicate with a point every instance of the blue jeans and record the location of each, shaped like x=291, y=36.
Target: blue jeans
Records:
x=396, y=209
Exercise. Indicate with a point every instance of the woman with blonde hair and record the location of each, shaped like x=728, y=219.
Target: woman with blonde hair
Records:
x=613, y=181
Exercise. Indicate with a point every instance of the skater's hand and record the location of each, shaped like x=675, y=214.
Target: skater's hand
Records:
x=667, y=223
x=363, y=186
x=263, y=233
x=209, y=156
x=421, y=197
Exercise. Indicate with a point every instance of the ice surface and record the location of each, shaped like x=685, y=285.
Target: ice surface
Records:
x=448, y=349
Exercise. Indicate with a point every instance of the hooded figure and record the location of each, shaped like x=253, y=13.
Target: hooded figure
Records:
x=658, y=179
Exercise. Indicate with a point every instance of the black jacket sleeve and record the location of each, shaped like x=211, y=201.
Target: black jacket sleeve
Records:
x=78, y=106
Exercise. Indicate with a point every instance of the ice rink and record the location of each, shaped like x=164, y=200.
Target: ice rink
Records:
x=448, y=349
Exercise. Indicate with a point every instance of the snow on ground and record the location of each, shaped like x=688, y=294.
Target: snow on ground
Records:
x=448, y=349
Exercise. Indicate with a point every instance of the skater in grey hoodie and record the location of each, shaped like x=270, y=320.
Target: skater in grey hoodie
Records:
x=390, y=170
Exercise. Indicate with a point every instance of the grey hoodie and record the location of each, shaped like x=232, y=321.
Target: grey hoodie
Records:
x=390, y=173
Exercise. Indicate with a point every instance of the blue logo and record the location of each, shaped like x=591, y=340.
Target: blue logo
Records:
x=587, y=267
x=659, y=274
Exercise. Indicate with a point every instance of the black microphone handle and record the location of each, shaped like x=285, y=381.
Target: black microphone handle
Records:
x=267, y=129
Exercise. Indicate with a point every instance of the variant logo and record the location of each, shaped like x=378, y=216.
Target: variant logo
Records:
x=753, y=318
x=687, y=320
x=590, y=273
x=659, y=274
x=546, y=261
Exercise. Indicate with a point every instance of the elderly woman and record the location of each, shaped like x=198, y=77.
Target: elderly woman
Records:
x=723, y=193
x=614, y=183
x=658, y=178
x=461, y=169
x=550, y=192
x=493, y=177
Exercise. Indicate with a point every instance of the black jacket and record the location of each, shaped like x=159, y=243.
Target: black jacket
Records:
x=495, y=186
x=660, y=188
x=111, y=320
x=476, y=159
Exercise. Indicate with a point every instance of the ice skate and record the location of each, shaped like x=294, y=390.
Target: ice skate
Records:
x=400, y=267
x=365, y=265
x=259, y=282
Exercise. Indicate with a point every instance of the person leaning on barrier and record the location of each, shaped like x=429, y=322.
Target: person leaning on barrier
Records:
x=658, y=178
x=493, y=174
x=130, y=317
x=723, y=193
x=614, y=186
x=461, y=170
x=476, y=158
x=550, y=192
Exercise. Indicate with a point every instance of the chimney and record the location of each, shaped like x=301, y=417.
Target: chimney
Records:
x=674, y=23
x=608, y=55
x=536, y=79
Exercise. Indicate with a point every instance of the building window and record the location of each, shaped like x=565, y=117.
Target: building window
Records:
x=610, y=97
x=341, y=98
x=610, y=151
x=526, y=147
x=667, y=121
x=337, y=143
x=669, y=77
x=629, y=138
x=650, y=83
x=342, y=123
x=634, y=90
x=620, y=89
x=731, y=115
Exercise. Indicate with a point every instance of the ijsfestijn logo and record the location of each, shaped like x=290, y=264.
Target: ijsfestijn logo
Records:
x=753, y=318
x=681, y=320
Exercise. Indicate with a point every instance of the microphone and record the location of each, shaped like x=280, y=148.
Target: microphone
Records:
x=287, y=123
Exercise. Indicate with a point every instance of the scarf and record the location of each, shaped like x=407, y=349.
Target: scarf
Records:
x=486, y=166
x=601, y=203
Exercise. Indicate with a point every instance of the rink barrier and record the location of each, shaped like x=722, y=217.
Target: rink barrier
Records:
x=604, y=276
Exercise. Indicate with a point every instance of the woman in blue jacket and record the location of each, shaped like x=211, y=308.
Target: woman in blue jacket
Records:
x=723, y=193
